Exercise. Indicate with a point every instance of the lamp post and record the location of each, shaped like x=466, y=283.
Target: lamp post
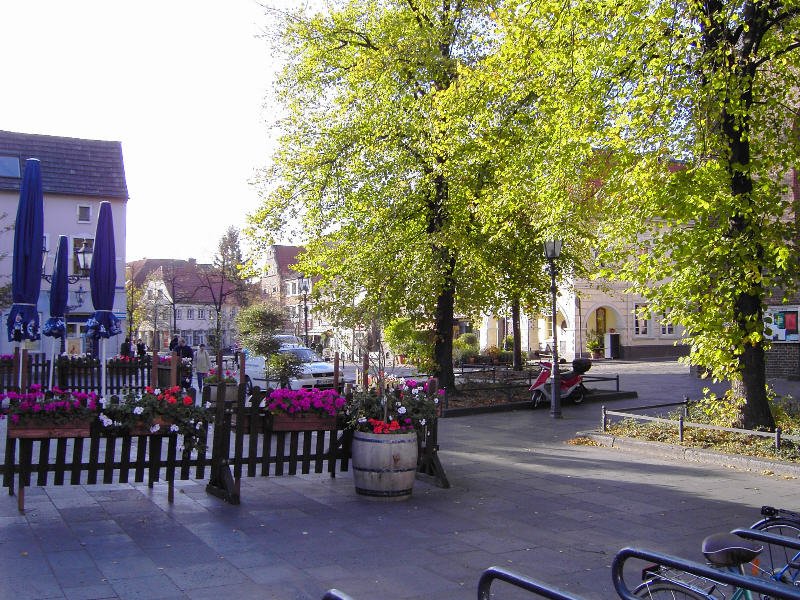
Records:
x=304, y=287
x=552, y=250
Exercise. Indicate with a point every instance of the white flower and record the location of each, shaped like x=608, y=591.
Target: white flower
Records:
x=138, y=410
x=401, y=410
x=199, y=425
x=422, y=422
x=157, y=391
x=436, y=400
x=362, y=419
x=155, y=428
x=416, y=391
x=105, y=420
x=173, y=428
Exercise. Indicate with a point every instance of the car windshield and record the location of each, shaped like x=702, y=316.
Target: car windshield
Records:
x=304, y=354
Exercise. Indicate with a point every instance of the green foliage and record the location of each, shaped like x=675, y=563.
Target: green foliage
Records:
x=416, y=344
x=508, y=343
x=468, y=340
x=282, y=367
x=258, y=324
x=491, y=351
x=594, y=341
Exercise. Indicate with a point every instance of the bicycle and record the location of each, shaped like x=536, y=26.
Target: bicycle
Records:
x=672, y=578
x=782, y=559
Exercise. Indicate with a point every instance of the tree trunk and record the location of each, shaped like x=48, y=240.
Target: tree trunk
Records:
x=516, y=330
x=443, y=348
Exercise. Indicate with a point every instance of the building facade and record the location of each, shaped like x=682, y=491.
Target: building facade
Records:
x=77, y=175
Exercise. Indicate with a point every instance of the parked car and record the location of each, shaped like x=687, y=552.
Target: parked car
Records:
x=288, y=340
x=315, y=371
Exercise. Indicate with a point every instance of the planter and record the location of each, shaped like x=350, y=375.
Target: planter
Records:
x=597, y=354
x=384, y=464
x=144, y=428
x=303, y=422
x=35, y=429
x=231, y=390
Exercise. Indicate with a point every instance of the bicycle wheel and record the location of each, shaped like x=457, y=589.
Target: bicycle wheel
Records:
x=665, y=590
x=775, y=561
x=538, y=398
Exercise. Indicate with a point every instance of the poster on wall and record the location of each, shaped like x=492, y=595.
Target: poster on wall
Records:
x=783, y=324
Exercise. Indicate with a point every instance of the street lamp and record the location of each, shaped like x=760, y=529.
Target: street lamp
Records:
x=304, y=287
x=552, y=250
x=84, y=256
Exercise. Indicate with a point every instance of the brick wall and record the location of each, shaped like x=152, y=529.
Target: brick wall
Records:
x=783, y=361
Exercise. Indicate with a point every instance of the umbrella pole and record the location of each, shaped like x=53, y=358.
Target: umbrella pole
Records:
x=103, y=367
x=52, y=363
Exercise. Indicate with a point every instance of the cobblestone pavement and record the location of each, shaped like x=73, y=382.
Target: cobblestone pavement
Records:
x=521, y=498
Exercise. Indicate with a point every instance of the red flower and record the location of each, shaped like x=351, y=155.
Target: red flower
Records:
x=187, y=401
x=171, y=400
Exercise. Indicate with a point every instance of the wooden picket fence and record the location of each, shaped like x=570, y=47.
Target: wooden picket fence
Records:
x=83, y=374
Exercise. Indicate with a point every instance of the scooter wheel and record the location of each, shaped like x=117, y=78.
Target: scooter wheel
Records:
x=537, y=397
x=577, y=395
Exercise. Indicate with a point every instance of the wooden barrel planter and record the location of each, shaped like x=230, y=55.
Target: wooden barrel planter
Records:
x=384, y=464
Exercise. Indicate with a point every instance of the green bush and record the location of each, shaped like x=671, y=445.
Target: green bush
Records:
x=415, y=344
x=506, y=357
x=283, y=367
x=468, y=340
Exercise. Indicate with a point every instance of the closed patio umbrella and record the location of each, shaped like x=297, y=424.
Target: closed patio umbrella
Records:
x=26, y=270
x=55, y=326
x=103, y=280
x=26, y=273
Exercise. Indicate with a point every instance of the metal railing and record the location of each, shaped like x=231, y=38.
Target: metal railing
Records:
x=681, y=423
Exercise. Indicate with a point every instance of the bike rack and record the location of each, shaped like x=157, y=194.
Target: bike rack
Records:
x=761, y=586
x=768, y=538
x=520, y=581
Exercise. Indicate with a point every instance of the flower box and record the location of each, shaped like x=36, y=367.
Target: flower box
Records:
x=34, y=428
x=231, y=391
x=303, y=422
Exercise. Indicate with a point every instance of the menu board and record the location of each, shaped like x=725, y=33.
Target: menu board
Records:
x=783, y=327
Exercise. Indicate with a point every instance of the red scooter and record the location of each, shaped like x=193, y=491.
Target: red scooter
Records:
x=571, y=383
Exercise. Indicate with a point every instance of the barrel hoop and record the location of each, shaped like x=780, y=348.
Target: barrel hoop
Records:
x=387, y=441
x=363, y=470
x=383, y=494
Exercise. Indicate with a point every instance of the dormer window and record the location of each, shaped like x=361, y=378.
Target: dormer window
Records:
x=9, y=166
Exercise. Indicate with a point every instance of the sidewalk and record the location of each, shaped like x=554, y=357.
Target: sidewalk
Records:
x=521, y=498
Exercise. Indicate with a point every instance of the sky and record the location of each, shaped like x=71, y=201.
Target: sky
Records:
x=180, y=83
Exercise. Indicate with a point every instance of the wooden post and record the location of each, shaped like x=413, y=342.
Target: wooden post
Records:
x=336, y=371
x=154, y=370
x=365, y=369
x=26, y=359
x=173, y=369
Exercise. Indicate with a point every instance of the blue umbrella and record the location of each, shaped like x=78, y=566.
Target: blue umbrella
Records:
x=103, y=281
x=55, y=326
x=23, y=320
x=103, y=278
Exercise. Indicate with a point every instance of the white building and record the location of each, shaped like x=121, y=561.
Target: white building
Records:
x=77, y=175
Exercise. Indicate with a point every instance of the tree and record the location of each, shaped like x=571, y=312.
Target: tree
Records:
x=701, y=123
x=134, y=306
x=257, y=326
x=371, y=163
x=229, y=259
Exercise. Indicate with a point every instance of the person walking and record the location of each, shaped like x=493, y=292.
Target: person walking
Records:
x=125, y=348
x=173, y=344
x=141, y=349
x=202, y=363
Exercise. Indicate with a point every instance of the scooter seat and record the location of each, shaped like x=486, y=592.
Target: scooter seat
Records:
x=728, y=550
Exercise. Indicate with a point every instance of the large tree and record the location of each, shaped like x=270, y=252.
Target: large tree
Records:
x=701, y=127
x=367, y=160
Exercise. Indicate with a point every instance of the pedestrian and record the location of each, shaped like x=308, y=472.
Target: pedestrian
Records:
x=173, y=344
x=202, y=363
x=125, y=348
x=185, y=352
x=141, y=349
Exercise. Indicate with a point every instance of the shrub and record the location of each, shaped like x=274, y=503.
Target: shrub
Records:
x=468, y=340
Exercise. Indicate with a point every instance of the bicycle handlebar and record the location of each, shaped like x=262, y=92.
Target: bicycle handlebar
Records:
x=761, y=586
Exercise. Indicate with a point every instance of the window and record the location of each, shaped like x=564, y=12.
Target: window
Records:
x=84, y=213
x=294, y=288
x=190, y=313
x=178, y=313
x=640, y=321
x=9, y=166
x=77, y=244
x=201, y=313
x=199, y=337
x=667, y=328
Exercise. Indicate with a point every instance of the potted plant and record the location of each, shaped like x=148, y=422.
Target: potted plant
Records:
x=158, y=411
x=216, y=378
x=594, y=343
x=308, y=409
x=402, y=410
x=50, y=414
